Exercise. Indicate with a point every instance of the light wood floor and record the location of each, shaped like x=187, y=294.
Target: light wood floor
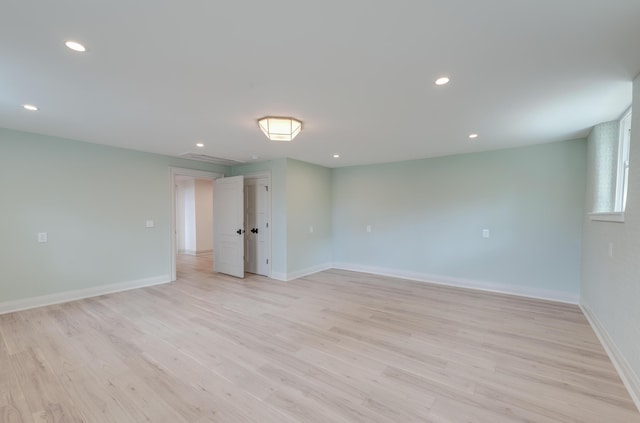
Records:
x=332, y=347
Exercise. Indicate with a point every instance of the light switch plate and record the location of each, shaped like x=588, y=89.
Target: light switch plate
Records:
x=42, y=237
x=150, y=223
x=485, y=233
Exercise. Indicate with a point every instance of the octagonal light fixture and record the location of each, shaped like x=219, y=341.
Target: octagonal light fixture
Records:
x=280, y=128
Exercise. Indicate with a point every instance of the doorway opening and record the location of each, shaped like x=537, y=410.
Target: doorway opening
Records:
x=194, y=243
x=192, y=193
x=194, y=223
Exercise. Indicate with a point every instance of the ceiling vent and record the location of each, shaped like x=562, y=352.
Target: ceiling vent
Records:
x=210, y=159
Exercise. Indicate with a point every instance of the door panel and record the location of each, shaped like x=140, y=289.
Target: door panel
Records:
x=257, y=226
x=250, y=223
x=228, y=228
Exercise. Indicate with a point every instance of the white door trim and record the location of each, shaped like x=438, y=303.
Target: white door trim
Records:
x=260, y=175
x=173, y=172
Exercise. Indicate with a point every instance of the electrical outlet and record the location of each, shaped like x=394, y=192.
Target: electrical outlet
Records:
x=485, y=233
x=150, y=223
x=42, y=237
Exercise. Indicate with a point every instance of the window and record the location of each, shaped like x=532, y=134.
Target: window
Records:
x=623, y=162
x=610, y=145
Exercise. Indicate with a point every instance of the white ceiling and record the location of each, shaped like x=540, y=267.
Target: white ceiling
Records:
x=160, y=75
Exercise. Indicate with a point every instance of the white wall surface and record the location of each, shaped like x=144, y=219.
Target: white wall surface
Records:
x=203, y=200
x=189, y=210
x=427, y=218
x=610, y=288
x=180, y=216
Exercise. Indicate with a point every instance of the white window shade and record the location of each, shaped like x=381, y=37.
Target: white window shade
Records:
x=604, y=142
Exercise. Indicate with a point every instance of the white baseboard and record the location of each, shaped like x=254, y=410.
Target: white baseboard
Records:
x=279, y=276
x=630, y=379
x=78, y=294
x=285, y=277
x=522, y=291
x=308, y=271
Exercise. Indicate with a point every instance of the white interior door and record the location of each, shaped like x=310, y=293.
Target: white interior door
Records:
x=250, y=223
x=228, y=228
x=256, y=207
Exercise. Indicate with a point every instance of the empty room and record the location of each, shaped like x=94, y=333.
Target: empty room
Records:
x=289, y=212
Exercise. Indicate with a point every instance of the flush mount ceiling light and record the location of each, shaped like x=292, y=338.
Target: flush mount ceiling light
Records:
x=473, y=136
x=442, y=81
x=30, y=107
x=280, y=128
x=200, y=145
x=75, y=46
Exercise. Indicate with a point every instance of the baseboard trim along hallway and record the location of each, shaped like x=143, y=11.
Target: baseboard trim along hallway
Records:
x=501, y=288
x=630, y=379
x=79, y=294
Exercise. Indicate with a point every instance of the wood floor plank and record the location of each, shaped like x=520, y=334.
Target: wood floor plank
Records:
x=13, y=405
x=335, y=346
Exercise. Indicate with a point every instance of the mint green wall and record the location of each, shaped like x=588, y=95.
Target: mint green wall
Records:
x=278, y=170
x=427, y=216
x=93, y=202
x=611, y=285
x=308, y=205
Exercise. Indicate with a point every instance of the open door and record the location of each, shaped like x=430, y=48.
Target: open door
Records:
x=256, y=214
x=228, y=226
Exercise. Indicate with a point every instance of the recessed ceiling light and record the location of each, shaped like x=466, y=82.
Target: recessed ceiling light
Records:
x=200, y=145
x=336, y=156
x=255, y=157
x=442, y=81
x=30, y=107
x=473, y=136
x=75, y=46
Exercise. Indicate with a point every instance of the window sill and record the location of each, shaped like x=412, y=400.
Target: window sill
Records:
x=608, y=217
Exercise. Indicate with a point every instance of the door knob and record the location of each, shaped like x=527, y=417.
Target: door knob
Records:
x=240, y=231
x=254, y=230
